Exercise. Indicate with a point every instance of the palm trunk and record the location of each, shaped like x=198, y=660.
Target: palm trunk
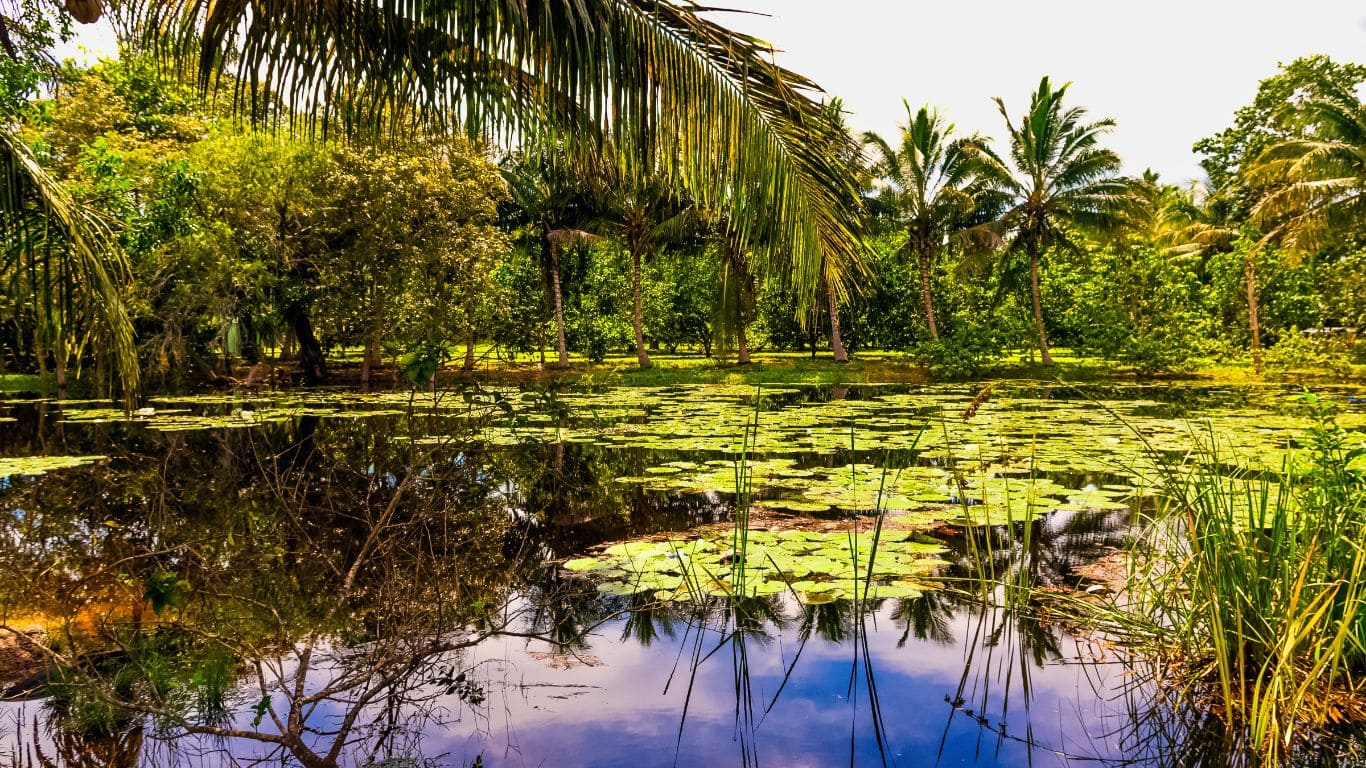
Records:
x=926, y=295
x=642, y=356
x=59, y=361
x=540, y=344
x=836, y=343
x=1044, y=356
x=560, y=342
x=742, y=344
x=102, y=387
x=1254, y=323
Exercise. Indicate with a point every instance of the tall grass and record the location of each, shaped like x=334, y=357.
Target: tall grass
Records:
x=1258, y=585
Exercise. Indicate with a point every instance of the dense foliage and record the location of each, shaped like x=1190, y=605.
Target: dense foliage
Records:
x=251, y=248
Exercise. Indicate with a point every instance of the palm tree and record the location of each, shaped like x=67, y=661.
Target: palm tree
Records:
x=1058, y=176
x=645, y=214
x=727, y=124
x=1206, y=220
x=555, y=198
x=1316, y=185
x=739, y=291
x=933, y=184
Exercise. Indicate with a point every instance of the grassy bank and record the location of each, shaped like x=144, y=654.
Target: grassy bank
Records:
x=780, y=368
x=867, y=367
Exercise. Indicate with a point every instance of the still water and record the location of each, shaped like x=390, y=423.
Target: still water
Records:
x=336, y=579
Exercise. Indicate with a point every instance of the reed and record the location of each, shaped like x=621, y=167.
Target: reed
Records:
x=1256, y=585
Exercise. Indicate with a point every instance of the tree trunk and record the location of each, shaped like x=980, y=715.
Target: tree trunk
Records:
x=102, y=388
x=540, y=344
x=370, y=355
x=560, y=343
x=837, y=343
x=311, y=361
x=642, y=356
x=469, y=352
x=369, y=359
x=1044, y=356
x=59, y=361
x=742, y=344
x=926, y=295
x=40, y=352
x=1254, y=322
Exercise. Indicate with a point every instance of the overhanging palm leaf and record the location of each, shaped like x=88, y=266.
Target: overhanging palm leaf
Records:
x=656, y=79
x=61, y=253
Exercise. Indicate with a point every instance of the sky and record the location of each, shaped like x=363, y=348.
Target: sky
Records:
x=1168, y=71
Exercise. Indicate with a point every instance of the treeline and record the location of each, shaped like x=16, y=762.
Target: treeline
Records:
x=248, y=245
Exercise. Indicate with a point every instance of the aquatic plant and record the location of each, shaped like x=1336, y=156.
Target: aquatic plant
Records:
x=39, y=465
x=1259, y=596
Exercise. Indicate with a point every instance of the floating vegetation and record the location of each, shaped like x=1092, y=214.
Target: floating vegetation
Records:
x=38, y=465
x=184, y=420
x=988, y=496
x=1026, y=452
x=814, y=567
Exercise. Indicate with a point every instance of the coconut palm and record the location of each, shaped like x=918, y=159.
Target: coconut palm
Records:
x=1058, y=177
x=1206, y=220
x=645, y=214
x=554, y=197
x=656, y=79
x=739, y=290
x=1316, y=185
x=931, y=181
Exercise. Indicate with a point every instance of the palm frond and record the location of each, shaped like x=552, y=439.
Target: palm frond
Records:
x=40, y=222
x=655, y=78
x=1314, y=187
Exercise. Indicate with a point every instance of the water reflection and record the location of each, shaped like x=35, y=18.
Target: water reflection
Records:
x=333, y=592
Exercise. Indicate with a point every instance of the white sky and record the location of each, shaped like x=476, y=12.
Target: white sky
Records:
x=1169, y=71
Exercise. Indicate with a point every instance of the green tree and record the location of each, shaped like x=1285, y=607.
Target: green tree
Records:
x=1129, y=295
x=680, y=297
x=1285, y=166
x=1058, y=177
x=412, y=245
x=1276, y=114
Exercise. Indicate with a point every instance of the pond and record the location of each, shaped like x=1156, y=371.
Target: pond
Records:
x=692, y=575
